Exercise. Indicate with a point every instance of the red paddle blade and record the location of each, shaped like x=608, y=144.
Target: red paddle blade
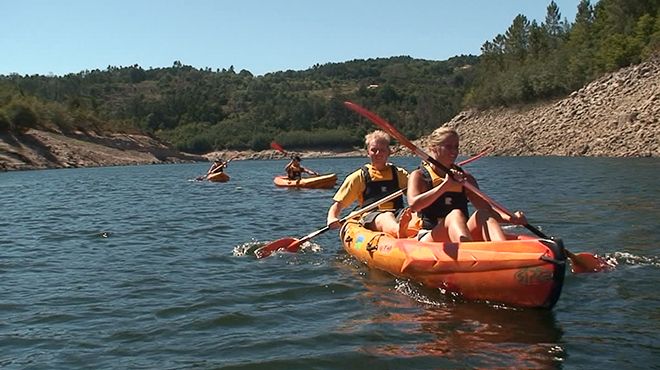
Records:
x=277, y=147
x=272, y=247
x=587, y=262
x=294, y=246
x=474, y=158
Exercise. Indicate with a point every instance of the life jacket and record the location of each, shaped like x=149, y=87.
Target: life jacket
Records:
x=446, y=203
x=294, y=172
x=376, y=190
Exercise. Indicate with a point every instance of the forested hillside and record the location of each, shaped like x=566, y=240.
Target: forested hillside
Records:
x=201, y=110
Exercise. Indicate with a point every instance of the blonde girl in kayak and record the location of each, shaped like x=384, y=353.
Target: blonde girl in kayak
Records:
x=442, y=202
x=371, y=183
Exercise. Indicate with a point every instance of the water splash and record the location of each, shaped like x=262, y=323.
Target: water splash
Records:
x=626, y=258
x=247, y=249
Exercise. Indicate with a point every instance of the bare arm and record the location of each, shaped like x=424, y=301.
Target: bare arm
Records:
x=311, y=172
x=214, y=166
x=333, y=215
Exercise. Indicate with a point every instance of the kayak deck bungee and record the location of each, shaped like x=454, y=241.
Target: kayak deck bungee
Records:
x=521, y=272
x=218, y=177
x=325, y=181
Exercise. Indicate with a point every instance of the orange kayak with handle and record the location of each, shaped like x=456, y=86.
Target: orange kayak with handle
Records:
x=520, y=272
x=326, y=181
x=218, y=177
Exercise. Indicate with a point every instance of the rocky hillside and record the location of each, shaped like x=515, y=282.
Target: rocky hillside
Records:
x=615, y=116
x=38, y=149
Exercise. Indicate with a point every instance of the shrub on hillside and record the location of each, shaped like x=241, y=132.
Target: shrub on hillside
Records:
x=5, y=125
x=21, y=116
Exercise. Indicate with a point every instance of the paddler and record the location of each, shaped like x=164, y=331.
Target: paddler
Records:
x=370, y=183
x=441, y=201
x=294, y=169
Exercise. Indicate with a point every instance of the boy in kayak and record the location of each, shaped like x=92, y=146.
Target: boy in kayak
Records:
x=441, y=201
x=294, y=169
x=218, y=166
x=370, y=183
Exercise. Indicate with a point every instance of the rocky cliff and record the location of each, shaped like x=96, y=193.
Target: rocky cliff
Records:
x=615, y=116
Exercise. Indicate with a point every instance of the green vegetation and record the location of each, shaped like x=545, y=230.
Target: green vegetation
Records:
x=200, y=110
x=532, y=62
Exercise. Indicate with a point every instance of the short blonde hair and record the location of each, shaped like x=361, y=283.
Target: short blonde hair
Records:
x=439, y=135
x=377, y=136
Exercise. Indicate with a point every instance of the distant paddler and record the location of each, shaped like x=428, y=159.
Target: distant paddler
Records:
x=294, y=169
x=218, y=166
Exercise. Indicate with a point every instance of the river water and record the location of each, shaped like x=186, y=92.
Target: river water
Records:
x=140, y=267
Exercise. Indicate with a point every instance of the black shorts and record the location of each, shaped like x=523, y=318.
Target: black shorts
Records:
x=368, y=219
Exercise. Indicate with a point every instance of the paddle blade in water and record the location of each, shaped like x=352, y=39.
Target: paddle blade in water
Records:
x=272, y=247
x=587, y=262
x=294, y=246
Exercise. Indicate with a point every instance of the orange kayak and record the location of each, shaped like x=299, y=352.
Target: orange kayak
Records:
x=218, y=177
x=326, y=181
x=521, y=272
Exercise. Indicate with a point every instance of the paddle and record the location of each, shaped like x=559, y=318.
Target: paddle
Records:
x=583, y=262
x=292, y=244
x=278, y=147
x=474, y=158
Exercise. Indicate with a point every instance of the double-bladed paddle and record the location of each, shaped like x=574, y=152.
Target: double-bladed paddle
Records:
x=293, y=244
x=582, y=262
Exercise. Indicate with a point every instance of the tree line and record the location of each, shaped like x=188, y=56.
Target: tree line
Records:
x=200, y=110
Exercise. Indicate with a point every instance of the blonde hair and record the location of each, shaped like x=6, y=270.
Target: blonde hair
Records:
x=377, y=136
x=439, y=135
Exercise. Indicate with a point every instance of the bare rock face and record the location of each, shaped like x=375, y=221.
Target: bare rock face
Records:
x=614, y=116
x=36, y=149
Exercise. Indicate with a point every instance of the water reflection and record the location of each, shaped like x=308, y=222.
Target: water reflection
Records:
x=425, y=324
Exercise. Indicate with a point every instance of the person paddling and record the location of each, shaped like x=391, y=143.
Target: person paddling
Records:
x=294, y=169
x=370, y=183
x=217, y=166
x=441, y=201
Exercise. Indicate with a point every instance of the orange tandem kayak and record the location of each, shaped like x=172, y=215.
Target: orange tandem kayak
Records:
x=218, y=177
x=521, y=272
x=326, y=181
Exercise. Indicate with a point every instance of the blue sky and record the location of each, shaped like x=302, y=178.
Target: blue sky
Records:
x=68, y=36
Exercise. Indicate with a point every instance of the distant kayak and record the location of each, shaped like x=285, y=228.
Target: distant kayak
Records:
x=521, y=272
x=326, y=181
x=218, y=177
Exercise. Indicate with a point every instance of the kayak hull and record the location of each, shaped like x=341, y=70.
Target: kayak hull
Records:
x=218, y=177
x=326, y=181
x=522, y=272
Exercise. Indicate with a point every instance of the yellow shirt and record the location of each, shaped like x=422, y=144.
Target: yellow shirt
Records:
x=352, y=189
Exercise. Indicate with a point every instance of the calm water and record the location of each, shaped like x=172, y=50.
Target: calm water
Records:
x=141, y=268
